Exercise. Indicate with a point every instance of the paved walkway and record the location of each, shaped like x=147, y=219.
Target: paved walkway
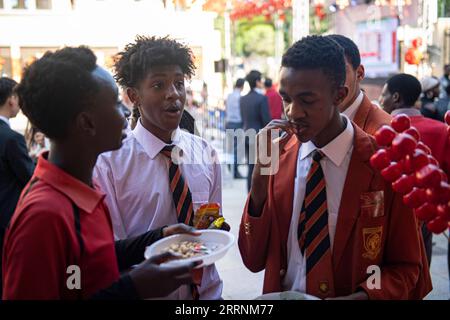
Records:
x=240, y=283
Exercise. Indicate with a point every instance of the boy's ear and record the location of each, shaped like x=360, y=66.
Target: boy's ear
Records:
x=86, y=124
x=134, y=96
x=396, y=97
x=360, y=73
x=342, y=93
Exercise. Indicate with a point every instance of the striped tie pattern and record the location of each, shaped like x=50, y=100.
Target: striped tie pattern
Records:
x=182, y=198
x=313, y=237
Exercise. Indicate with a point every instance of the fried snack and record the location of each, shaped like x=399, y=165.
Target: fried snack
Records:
x=206, y=215
x=188, y=249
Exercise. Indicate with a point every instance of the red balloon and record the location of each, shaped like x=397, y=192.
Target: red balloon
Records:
x=443, y=176
x=392, y=172
x=404, y=144
x=419, y=159
x=443, y=192
x=447, y=117
x=415, y=198
x=394, y=155
x=413, y=132
x=407, y=165
x=401, y=122
x=404, y=184
x=384, y=136
x=422, y=146
x=443, y=210
x=428, y=176
x=437, y=225
x=380, y=159
x=433, y=160
x=426, y=212
x=433, y=195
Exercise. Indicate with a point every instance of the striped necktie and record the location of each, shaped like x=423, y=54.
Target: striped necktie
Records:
x=182, y=199
x=313, y=237
x=181, y=194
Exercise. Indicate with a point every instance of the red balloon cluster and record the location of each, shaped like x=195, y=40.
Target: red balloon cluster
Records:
x=407, y=163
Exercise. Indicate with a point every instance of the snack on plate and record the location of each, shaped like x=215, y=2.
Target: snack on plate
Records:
x=206, y=215
x=188, y=249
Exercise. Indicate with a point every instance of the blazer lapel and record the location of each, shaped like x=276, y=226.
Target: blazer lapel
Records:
x=359, y=178
x=283, y=186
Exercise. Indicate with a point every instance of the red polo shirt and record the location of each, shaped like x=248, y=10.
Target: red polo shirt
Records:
x=434, y=134
x=41, y=242
x=275, y=103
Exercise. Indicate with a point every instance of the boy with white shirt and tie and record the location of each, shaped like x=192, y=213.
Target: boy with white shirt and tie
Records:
x=146, y=187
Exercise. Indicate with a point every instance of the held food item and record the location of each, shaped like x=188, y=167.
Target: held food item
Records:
x=217, y=224
x=206, y=215
x=188, y=249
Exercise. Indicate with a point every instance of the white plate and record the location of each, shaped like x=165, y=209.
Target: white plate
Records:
x=287, y=295
x=217, y=240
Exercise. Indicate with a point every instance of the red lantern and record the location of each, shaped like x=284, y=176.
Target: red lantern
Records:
x=413, y=56
x=416, y=43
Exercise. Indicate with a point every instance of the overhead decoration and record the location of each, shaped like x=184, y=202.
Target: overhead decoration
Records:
x=242, y=9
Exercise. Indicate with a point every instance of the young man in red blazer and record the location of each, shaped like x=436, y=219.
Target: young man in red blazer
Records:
x=357, y=106
x=325, y=220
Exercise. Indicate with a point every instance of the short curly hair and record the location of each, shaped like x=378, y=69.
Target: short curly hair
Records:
x=56, y=88
x=351, y=50
x=317, y=52
x=133, y=64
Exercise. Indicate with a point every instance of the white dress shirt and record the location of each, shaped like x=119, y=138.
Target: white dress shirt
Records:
x=334, y=165
x=136, y=181
x=350, y=112
x=5, y=120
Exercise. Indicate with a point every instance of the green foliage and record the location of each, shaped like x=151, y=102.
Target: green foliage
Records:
x=256, y=36
x=444, y=8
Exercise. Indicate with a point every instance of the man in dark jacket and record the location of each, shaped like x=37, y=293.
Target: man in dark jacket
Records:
x=16, y=167
x=255, y=115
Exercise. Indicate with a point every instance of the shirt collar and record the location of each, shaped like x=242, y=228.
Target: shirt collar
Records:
x=84, y=197
x=5, y=120
x=408, y=111
x=336, y=149
x=153, y=145
x=351, y=111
